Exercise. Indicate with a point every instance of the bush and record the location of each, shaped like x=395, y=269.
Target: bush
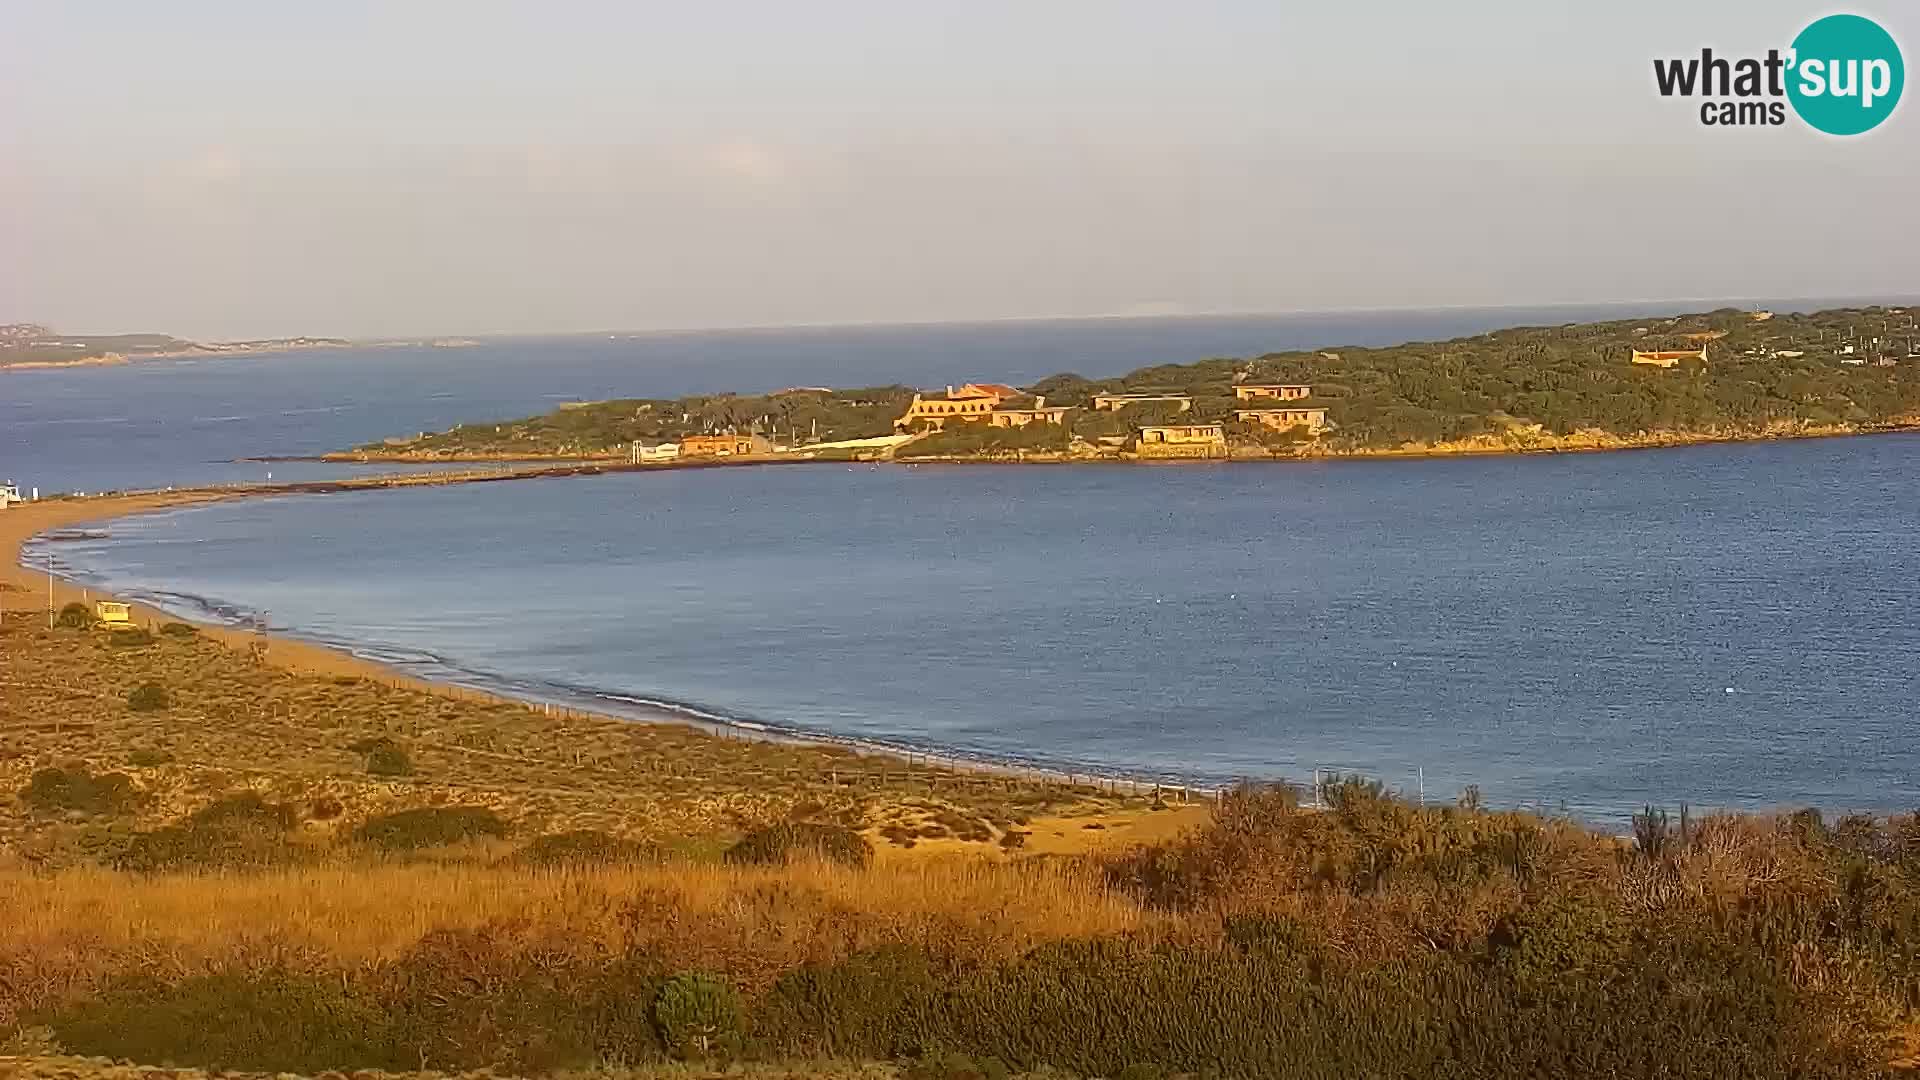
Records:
x=776, y=844
x=179, y=630
x=273, y=1021
x=945, y=1065
x=74, y=616
x=149, y=697
x=237, y=832
x=76, y=789
x=584, y=847
x=147, y=759
x=429, y=826
x=389, y=761
x=475, y=998
x=698, y=1015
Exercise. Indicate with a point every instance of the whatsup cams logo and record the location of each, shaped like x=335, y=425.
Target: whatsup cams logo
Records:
x=1842, y=75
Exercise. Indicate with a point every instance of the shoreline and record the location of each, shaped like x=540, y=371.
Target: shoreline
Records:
x=1593, y=443
x=301, y=654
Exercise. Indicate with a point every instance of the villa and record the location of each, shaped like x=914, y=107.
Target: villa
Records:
x=724, y=446
x=1115, y=402
x=1039, y=412
x=974, y=401
x=1182, y=441
x=997, y=404
x=1314, y=420
x=1280, y=391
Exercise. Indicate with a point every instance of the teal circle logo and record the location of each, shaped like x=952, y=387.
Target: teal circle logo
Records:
x=1846, y=75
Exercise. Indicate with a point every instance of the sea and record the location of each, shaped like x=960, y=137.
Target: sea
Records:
x=1725, y=626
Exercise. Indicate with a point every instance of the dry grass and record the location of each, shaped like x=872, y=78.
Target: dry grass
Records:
x=236, y=723
x=70, y=1068
x=62, y=933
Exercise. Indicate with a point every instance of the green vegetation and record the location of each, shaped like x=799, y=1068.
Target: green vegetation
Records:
x=585, y=847
x=698, y=1015
x=959, y=439
x=74, y=616
x=269, y=910
x=74, y=789
x=237, y=832
x=1376, y=938
x=148, y=697
x=389, y=760
x=430, y=826
x=609, y=427
x=775, y=844
x=1523, y=387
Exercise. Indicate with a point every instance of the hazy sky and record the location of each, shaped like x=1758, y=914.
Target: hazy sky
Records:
x=401, y=168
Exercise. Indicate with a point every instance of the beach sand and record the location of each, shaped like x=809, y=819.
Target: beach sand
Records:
x=25, y=587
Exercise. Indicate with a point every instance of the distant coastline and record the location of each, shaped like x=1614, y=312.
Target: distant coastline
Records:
x=29, y=347
x=1722, y=376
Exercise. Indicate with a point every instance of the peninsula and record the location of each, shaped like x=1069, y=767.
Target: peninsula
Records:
x=1714, y=376
x=30, y=345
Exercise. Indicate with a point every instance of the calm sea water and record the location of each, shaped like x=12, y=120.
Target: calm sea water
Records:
x=183, y=422
x=1733, y=626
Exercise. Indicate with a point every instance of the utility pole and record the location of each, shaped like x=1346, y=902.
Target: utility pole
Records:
x=49, y=590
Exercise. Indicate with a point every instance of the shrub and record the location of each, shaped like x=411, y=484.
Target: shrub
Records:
x=698, y=1015
x=244, y=808
x=75, y=788
x=429, y=826
x=272, y=1020
x=781, y=843
x=179, y=630
x=475, y=998
x=74, y=616
x=127, y=639
x=237, y=832
x=147, y=759
x=326, y=808
x=149, y=697
x=584, y=847
x=389, y=760
x=946, y=1065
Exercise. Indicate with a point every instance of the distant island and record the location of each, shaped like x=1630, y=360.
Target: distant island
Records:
x=1721, y=375
x=31, y=345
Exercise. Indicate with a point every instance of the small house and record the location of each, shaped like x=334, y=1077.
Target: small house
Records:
x=1314, y=420
x=724, y=446
x=1278, y=391
x=1181, y=441
x=112, y=615
x=1116, y=402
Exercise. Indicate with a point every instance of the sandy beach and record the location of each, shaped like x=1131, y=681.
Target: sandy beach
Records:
x=22, y=586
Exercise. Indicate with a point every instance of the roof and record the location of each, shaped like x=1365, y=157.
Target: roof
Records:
x=986, y=389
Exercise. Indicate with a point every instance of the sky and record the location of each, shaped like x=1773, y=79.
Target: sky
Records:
x=407, y=169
